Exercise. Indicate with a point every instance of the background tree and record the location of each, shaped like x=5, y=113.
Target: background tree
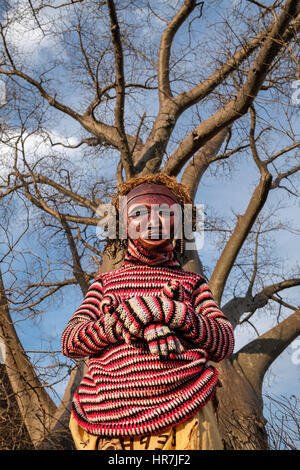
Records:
x=190, y=89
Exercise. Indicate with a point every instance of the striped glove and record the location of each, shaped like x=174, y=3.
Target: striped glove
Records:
x=127, y=318
x=179, y=313
x=130, y=317
x=162, y=342
x=135, y=313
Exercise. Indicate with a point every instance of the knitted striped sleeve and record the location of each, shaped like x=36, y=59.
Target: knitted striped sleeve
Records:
x=89, y=330
x=212, y=329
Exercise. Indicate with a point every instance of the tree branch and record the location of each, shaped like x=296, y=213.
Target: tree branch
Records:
x=78, y=272
x=188, y=98
x=199, y=163
x=165, y=48
x=244, y=223
x=256, y=357
x=35, y=405
x=151, y=155
x=106, y=133
x=235, y=307
x=90, y=141
x=70, y=218
x=281, y=176
x=120, y=91
x=238, y=106
x=282, y=152
x=80, y=200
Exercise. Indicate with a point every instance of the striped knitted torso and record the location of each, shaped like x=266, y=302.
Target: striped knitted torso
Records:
x=127, y=391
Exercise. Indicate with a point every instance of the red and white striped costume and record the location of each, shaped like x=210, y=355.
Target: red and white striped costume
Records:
x=128, y=391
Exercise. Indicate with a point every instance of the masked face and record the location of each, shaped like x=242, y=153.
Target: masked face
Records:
x=153, y=220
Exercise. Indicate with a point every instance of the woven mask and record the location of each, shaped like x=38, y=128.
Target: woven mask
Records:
x=153, y=215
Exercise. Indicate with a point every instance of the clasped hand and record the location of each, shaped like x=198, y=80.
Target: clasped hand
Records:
x=151, y=318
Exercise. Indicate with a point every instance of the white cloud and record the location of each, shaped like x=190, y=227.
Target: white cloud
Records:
x=29, y=37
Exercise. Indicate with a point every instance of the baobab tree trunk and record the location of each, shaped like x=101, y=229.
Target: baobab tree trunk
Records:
x=240, y=410
x=59, y=436
x=35, y=405
x=13, y=432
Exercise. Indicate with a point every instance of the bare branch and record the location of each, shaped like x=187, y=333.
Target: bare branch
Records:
x=203, y=89
x=120, y=91
x=269, y=291
x=78, y=272
x=39, y=178
x=38, y=202
x=282, y=152
x=165, y=48
x=283, y=303
x=199, y=163
x=35, y=16
x=280, y=33
x=106, y=133
x=256, y=357
x=243, y=225
x=237, y=306
x=90, y=141
x=55, y=7
x=281, y=176
x=36, y=407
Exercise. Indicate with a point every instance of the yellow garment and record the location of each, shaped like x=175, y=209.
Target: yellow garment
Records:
x=200, y=432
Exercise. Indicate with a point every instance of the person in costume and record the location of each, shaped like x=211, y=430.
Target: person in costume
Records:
x=150, y=329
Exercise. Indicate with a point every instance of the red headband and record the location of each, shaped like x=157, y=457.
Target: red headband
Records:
x=150, y=188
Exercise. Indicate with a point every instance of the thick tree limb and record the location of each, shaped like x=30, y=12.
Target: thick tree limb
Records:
x=256, y=357
x=243, y=226
x=78, y=272
x=286, y=174
x=165, y=48
x=237, y=306
x=35, y=405
x=283, y=303
x=107, y=134
x=200, y=162
x=150, y=156
x=59, y=434
x=120, y=91
x=269, y=291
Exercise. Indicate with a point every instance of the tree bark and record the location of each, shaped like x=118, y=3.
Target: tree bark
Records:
x=256, y=357
x=36, y=407
x=239, y=235
x=240, y=410
x=196, y=168
x=13, y=432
